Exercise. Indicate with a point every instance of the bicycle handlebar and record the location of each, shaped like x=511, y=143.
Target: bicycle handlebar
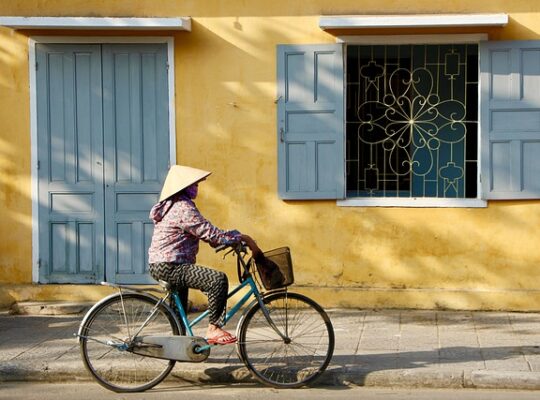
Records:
x=238, y=247
x=242, y=266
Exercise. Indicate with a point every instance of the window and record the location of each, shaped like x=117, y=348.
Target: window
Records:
x=412, y=121
x=402, y=125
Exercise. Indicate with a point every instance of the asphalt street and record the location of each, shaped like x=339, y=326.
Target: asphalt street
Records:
x=78, y=391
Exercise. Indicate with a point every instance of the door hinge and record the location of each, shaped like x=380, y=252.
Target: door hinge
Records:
x=37, y=66
x=38, y=165
x=39, y=263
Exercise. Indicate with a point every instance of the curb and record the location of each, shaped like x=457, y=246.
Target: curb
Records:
x=334, y=376
x=410, y=378
x=524, y=380
x=394, y=378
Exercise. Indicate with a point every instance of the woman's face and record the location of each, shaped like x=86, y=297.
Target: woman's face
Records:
x=192, y=190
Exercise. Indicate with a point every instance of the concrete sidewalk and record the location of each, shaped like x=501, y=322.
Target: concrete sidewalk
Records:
x=437, y=349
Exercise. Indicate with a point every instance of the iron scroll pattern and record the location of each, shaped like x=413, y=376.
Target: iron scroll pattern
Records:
x=409, y=134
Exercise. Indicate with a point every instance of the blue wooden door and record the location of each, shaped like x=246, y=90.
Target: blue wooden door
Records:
x=103, y=151
x=136, y=153
x=70, y=151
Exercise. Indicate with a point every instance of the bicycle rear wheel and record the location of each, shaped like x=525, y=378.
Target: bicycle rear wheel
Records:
x=107, y=334
x=290, y=363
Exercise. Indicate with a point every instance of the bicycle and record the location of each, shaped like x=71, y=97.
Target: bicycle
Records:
x=131, y=340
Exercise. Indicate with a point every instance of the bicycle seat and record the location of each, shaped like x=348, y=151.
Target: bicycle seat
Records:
x=165, y=285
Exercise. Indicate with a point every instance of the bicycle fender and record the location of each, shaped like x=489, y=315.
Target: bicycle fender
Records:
x=147, y=295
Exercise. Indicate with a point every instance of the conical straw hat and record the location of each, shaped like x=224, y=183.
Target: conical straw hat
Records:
x=179, y=178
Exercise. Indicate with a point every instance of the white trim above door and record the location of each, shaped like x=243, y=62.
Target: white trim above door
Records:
x=116, y=23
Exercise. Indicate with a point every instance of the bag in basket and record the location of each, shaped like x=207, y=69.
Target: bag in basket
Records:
x=275, y=268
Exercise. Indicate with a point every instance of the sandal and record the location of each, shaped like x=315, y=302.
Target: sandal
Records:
x=226, y=338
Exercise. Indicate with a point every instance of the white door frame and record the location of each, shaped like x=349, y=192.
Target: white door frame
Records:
x=32, y=41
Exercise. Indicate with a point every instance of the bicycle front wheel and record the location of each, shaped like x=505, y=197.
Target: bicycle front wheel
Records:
x=296, y=360
x=106, y=337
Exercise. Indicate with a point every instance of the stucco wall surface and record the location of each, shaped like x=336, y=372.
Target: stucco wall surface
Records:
x=225, y=87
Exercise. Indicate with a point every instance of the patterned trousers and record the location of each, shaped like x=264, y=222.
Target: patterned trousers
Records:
x=213, y=283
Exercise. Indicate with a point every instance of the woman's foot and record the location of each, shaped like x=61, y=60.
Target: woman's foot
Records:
x=216, y=335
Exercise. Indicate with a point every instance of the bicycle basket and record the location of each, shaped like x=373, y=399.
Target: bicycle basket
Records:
x=275, y=269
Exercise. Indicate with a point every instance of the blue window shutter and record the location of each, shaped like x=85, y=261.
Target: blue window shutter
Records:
x=510, y=119
x=310, y=122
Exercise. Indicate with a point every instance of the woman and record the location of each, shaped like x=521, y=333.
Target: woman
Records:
x=178, y=227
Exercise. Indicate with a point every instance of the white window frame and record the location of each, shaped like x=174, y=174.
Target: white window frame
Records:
x=477, y=202
x=32, y=42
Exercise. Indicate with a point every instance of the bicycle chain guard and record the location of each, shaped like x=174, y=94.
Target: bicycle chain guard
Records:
x=178, y=348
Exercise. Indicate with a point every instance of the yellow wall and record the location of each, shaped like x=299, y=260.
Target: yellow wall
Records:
x=226, y=122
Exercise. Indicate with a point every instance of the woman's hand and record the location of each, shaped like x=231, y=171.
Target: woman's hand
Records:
x=255, y=250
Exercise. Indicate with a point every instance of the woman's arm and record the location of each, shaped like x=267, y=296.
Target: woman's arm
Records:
x=193, y=222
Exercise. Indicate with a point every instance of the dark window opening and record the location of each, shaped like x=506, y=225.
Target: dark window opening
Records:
x=412, y=121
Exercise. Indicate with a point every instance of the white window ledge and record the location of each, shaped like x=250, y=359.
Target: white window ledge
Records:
x=180, y=23
x=411, y=21
x=412, y=202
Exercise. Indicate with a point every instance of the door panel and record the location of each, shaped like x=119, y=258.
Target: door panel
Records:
x=70, y=174
x=136, y=152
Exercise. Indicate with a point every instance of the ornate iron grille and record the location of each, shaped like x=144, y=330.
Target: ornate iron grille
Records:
x=412, y=121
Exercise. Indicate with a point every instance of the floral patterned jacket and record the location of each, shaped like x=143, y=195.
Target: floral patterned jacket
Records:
x=178, y=227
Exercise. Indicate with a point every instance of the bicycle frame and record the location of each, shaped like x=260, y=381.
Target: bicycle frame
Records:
x=246, y=280
x=253, y=291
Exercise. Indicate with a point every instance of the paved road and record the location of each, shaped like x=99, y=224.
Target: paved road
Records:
x=20, y=391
